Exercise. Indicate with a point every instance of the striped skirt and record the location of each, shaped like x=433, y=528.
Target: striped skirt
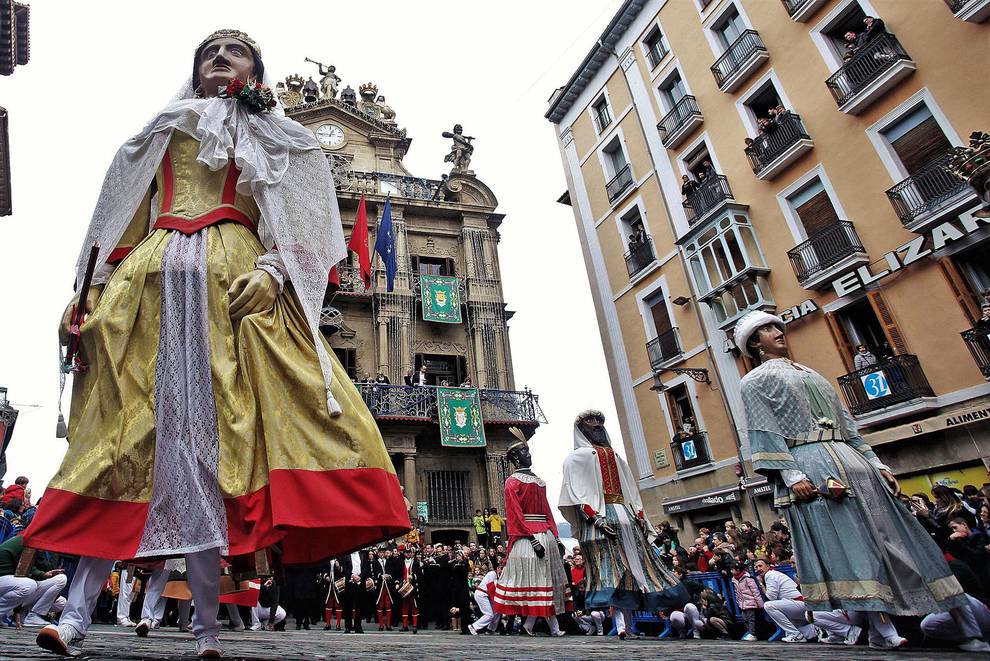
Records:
x=530, y=585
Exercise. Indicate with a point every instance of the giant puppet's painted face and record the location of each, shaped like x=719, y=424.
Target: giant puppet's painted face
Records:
x=593, y=429
x=222, y=60
x=520, y=456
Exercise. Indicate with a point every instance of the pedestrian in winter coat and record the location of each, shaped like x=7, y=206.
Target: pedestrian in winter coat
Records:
x=749, y=600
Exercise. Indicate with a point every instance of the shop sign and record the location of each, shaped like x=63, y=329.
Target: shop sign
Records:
x=968, y=417
x=799, y=311
x=909, y=253
x=702, y=502
x=764, y=489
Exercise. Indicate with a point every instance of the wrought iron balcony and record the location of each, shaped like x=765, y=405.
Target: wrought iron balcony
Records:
x=930, y=190
x=640, y=256
x=677, y=123
x=868, y=66
x=782, y=143
x=739, y=60
x=664, y=348
x=895, y=380
x=602, y=118
x=707, y=197
x=690, y=451
x=825, y=251
x=350, y=280
x=419, y=403
x=978, y=341
x=620, y=183
x=511, y=406
x=794, y=6
x=380, y=183
x=974, y=11
x=655, y=53
x=801, y=10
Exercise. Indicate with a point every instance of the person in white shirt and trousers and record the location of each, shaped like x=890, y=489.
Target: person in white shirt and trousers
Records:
x=784, y=603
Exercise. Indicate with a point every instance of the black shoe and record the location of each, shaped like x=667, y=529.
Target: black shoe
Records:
x=306, y=626
x=359, y=630
x=348, y=630
x=405, y=629
x=327, y=628
x=415, y=630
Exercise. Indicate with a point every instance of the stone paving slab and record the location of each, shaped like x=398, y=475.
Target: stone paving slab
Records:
x=114, y=643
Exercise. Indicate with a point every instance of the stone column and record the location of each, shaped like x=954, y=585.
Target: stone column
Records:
x=409, y=477
x=497, y=470
x=383, y=352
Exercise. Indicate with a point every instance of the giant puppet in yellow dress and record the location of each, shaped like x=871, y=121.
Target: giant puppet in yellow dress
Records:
x=194, y=429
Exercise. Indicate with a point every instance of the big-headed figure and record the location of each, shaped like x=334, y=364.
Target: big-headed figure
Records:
x=213, y=419
x=600, y=499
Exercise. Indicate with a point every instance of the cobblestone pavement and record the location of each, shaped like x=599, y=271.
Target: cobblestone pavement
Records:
x=106, y=642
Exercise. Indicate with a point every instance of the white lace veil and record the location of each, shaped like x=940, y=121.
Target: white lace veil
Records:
x=282, y=167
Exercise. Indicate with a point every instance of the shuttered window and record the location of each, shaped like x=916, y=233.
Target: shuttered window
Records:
x=661, y=317
x=814, y=208
x=917, y=139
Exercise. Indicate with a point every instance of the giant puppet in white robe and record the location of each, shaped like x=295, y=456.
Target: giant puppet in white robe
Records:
x=600, y=500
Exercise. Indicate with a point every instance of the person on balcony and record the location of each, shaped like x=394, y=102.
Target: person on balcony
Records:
x=600, y=499
x=382, y=378
x=863, y=358
x=688, y=186
x=802, y=437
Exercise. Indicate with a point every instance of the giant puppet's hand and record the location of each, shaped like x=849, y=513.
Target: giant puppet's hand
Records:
x=63, y=328
x=251, y=292
x=537, y=547
x=602, y=524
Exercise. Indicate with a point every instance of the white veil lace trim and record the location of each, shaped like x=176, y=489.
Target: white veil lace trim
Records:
x=282, y=167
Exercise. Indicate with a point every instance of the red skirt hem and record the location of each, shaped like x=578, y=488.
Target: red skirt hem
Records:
x=315, y=514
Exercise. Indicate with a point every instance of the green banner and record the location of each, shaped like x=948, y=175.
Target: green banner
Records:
x=459, y=412
x=441, y=300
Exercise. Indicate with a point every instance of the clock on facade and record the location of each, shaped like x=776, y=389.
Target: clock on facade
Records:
x=330, y=135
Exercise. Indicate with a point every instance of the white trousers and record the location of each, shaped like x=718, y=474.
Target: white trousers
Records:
x=488, y=619
x=622, y=616
x=974, y=623
x=531, y=622
x=124, y=596
x=37, y=597
x=203, y=571
x=260, y=613
x=690, y=617
x=591, y=622
x=789, y=615
x=837, y=622
x=153, y=607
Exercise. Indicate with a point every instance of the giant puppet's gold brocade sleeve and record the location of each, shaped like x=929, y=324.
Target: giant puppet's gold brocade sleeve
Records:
x=137, y=229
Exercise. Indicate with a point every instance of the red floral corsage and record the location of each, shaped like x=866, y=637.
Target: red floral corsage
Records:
x=255, y=96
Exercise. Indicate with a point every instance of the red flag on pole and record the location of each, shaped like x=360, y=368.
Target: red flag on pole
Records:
x=359, y=243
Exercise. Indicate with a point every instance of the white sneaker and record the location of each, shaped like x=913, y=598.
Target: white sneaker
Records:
x=126, y=622
x=208, y=648
x=696, y=635
x=143, y=627
x=974, y=645
x=748, y=637
x=253, y=627
x=35, y=620
x=473, y=631
x=795, y=638
x=832, y=639
x=892, y=643
x=62, y=639
x=156, y=624
x=852, y=635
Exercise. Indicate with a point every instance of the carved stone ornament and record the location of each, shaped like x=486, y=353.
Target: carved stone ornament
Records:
x=435, y=346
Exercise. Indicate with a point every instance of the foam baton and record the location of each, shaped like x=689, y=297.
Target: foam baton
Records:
x=71, y=362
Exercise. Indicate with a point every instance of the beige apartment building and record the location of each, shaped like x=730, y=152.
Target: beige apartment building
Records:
x=444, y=228
x=836, y=213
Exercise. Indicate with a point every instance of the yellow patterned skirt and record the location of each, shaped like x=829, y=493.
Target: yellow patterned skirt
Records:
x=285, y=471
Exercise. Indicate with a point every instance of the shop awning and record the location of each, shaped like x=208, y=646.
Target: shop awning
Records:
x=712, y=498
x=950, y=417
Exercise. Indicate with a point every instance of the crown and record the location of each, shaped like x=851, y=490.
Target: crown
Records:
x=368, y=90
x=967, y=163
x=232, y=34
x=294, y=82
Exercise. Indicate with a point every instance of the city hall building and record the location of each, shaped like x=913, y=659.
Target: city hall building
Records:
x=723, y=156
x=445, y=231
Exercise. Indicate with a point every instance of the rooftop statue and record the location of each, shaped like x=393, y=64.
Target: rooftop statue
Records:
x=460, y=151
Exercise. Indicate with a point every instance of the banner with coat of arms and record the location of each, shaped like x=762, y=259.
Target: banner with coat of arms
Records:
x=459, y=412
x=441, y=299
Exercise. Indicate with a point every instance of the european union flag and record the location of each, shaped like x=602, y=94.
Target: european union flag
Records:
x=385, y=244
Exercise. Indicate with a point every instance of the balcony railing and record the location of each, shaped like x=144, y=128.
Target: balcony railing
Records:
x=350, y=280
x=678, y=116
x=664, y=347
x=824, y=249
x=690, y=451
x=640, y=255
x=868, y=64
x=737, y=55
x=709, y=195
x=420, y=403
x=794, y=6
x=619, y=183
x=602, y=119
x=925, y=191
x=781, y=136
x=896, y=380
x=957, y=5
x=978, y=341
x=655, y=53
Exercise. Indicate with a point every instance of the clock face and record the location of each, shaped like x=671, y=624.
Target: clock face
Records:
x=330, y=135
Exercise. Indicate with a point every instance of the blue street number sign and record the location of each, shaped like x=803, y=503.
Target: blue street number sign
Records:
x=875, y=384
x=690, y=452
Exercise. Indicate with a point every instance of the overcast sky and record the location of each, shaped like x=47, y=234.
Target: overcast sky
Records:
x=100, y=70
